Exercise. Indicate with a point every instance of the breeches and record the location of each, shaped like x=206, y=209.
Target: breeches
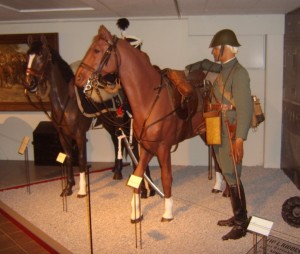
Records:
x=223, y=155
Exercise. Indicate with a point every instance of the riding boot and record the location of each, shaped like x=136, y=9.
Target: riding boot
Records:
x=240, y=213
x=226, y=193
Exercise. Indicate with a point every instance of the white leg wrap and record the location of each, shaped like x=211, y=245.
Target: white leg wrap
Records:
x=82, y=184
x=168, y=214
x=219, y=181
x=135, y=207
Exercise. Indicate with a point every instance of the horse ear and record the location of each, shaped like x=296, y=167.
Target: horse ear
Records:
x=29, y=40
x=44, y=40
x=104, y=33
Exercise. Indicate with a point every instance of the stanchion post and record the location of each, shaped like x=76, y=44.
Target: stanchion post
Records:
x=210, y=162
x=63, y=185
x=23, y=150
x=61, y=159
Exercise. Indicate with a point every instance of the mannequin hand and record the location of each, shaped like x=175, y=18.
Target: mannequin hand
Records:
x=238, y=150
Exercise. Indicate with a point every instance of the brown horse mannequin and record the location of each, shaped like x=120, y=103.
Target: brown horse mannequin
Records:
x=156, y=126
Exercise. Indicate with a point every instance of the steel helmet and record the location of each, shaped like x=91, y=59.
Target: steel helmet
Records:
x=224, y=37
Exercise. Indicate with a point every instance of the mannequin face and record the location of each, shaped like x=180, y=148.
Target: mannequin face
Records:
x=227, y=54
x=216, y=53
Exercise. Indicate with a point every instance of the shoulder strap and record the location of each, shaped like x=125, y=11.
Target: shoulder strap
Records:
x=226, y=94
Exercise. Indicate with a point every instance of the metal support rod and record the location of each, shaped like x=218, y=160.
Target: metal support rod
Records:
x=63, y=186
x=89, y=207
x=210, y=162
x=27, y=170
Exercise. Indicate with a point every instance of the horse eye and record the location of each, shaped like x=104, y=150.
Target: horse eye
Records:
x=96, y=51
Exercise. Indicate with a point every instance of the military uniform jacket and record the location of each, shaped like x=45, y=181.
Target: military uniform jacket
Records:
x=232, y=87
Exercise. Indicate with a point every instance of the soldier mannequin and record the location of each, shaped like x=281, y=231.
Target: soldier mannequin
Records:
x=233, y=96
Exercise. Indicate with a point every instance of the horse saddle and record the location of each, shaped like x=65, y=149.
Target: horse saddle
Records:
x=184, y=96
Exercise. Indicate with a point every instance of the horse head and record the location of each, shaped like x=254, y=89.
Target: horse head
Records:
x=98, y=58
x=39, y=56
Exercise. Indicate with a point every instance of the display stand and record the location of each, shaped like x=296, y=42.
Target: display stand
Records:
x=260, y=228
x=23, y=150
x=61, y=159
x=89, y=207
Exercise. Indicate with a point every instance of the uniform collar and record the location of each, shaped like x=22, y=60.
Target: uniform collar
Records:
x=230, y=63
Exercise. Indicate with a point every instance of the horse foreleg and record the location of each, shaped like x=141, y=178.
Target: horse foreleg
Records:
x=136, y=213
x=164, y=158
x=66, y=144
x=67, y=191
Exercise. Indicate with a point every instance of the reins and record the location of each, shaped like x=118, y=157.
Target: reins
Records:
x=113, y=47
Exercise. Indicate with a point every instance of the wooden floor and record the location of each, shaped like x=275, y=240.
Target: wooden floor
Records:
x=14, y=236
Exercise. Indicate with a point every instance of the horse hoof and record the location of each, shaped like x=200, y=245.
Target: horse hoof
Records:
x=137, y=220
x=81, y=195
x=166, y=220
x=66, y=192
x=152, y=193
x=144, y=194
x=118, y=176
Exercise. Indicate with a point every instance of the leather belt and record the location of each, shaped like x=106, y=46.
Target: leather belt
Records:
x=221, y=107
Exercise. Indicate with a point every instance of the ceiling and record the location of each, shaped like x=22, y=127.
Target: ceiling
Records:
x=27, y=10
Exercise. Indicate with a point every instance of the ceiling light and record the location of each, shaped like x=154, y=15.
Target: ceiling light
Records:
x=58, y=9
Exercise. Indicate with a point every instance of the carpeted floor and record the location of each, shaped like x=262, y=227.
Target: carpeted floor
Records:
x=196, y=211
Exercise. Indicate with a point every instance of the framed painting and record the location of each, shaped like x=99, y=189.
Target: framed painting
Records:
x=13, y=64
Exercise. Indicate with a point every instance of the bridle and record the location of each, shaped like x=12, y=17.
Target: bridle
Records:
x=105, y=58
x=40, y=74
x=97, y=81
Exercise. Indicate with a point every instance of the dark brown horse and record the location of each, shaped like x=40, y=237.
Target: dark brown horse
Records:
x=156, y=125
x=53, y=77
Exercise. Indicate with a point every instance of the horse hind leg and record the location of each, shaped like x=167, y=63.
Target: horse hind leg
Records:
x=118, y=166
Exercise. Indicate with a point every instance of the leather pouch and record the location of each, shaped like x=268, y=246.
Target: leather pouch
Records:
x=213, y=128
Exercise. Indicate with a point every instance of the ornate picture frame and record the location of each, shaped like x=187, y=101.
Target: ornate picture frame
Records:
x=13, y=63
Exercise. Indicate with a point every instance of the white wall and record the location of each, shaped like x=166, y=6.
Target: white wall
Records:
x=172, y=43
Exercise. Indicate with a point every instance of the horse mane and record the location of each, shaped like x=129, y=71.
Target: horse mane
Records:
x=65, y=68
x=67, y=73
